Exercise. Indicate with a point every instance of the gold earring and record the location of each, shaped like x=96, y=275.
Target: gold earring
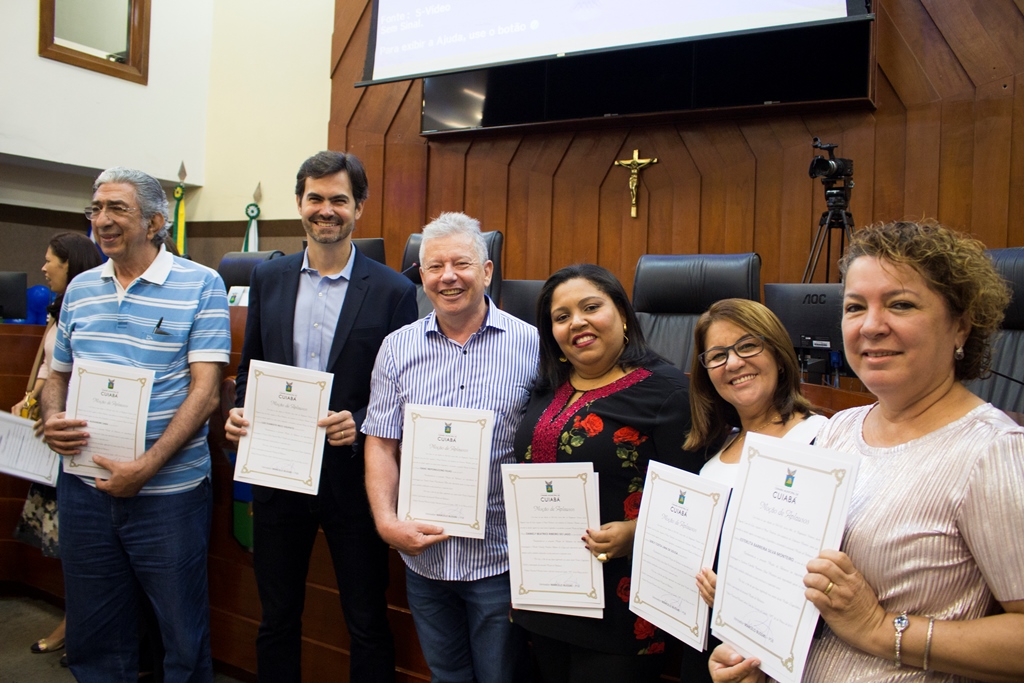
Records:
x=562, y=359
x=624, y=334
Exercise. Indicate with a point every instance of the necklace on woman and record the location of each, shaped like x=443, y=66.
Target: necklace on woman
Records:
x=761, y=426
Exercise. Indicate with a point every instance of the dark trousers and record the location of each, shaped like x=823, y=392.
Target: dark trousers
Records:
x=561, y=662
x=284, y=529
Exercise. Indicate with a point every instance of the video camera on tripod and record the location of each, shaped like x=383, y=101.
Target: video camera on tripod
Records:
x=831, y=171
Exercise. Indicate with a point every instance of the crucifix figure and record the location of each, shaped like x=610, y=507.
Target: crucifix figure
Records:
x=634, y=165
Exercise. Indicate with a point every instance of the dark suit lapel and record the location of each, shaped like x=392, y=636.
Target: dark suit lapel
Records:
x=288, y=291
x=358, y=286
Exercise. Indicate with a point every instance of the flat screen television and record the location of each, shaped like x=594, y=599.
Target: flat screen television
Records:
x=783, y=68
x=813, y=315
x=13, y=295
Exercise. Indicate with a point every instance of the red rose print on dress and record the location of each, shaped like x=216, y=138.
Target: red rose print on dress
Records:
x=592, y=424
x=631, y=505
x=643, y=629
x=628, y=435
x=623, y=589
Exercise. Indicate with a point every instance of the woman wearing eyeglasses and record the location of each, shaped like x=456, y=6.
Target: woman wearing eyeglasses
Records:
x=744, y=378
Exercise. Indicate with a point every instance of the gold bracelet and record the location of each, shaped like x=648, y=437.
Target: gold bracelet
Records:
x=928, y=642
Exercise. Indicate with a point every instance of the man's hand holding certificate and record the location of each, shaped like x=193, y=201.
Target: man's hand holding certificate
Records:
x=113, y=400
x=445, y=466
x=283, y=446
x=790, y=503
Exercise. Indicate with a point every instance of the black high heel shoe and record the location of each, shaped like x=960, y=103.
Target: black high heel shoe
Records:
x=41, y=646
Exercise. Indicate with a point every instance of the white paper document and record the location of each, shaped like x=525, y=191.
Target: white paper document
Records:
x=548, y=508
x=446, y=463
x=790, y=503
x=114, y=401
x=676, y=534
x=284, y=447
x=23, y=454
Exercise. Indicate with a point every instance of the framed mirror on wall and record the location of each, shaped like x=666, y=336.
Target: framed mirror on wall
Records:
x=108, y=36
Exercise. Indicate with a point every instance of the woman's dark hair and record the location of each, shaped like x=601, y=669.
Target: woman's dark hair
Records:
x=713, y=416
x=79, y=252
x=554, y=373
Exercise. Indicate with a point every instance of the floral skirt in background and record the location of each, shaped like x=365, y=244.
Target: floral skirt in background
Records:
x=38, y=523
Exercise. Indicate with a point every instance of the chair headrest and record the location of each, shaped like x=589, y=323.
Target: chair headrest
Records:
x=236, y=266
x=1010, y=265
x=690, y=283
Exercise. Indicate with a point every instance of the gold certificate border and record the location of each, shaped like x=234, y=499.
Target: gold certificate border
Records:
x=582, y=477
x=89, y=465
x=321, y=385
x=786, y=659
x=715, y=498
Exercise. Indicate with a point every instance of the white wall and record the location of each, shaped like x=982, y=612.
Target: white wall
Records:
x=64, y=114
x=269, y=105
x=243, y=99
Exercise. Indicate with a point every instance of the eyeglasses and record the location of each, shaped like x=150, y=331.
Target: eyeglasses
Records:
x=716, y=357
x=113, y=211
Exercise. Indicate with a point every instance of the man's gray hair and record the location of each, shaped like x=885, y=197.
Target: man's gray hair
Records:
x=150, y=194
x=455, y=223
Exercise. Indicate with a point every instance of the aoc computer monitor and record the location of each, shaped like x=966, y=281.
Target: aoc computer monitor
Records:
x=812, y=314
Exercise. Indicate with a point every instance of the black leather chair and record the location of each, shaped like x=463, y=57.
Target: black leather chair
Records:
x=410, y=267
x=372, y=247
x=519, y=297
x=1004, y=388
x=671, y=291
x=236, y=266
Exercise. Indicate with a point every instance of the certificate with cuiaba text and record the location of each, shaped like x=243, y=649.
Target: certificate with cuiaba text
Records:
x=25, y=455
x=114, y=402
x=677, y=533
x=445, y=467
x=790, y=503
x=548, y=508
x=283, y=447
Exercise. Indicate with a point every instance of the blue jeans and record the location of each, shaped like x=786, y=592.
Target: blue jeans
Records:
x=465, y=631
x=111, y=548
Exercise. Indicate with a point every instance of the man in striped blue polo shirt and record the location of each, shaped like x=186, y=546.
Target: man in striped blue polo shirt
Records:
x=466, y=354
x=148, y=524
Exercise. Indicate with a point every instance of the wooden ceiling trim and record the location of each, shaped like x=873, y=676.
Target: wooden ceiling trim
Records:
x=896, y=59
x=929, y=46
x=965, y=35
x=1004, y=24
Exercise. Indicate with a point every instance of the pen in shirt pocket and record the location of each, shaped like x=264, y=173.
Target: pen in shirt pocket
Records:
x=157, y=330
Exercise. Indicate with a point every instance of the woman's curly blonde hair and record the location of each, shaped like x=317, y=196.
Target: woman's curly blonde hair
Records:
x=956, y=267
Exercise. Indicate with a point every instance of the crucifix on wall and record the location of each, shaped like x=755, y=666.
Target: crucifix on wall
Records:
x=635, y=165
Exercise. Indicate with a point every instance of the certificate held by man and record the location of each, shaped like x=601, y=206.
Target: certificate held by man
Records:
x=445, y=465
x=790, y=503
x=114, y=402
x=284, y=447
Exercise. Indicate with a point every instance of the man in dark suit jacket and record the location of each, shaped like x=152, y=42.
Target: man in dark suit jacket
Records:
x=333, y=301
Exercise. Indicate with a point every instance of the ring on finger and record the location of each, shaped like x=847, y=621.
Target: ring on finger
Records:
x=603, y=557
x=828, y=589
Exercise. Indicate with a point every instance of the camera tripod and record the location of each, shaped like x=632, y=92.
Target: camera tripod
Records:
x=835, y=217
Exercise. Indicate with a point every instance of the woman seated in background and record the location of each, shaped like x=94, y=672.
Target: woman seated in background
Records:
x=68, y=254
x=744, y=378
x=603, y=397
x=932, y=570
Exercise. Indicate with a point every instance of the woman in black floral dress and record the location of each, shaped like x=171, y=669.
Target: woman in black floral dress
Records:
x=603, y=397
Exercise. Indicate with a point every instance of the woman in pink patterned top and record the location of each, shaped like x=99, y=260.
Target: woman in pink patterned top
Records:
x=930, y=583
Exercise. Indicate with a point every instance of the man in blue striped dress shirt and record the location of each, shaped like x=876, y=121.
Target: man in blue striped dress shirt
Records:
x=148, y=524
x=466, y=354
